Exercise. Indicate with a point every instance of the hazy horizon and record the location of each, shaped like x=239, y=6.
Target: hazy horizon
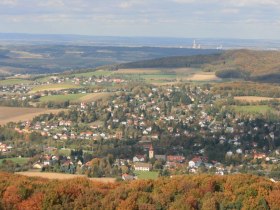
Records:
x=135, y=36
x=239, y=19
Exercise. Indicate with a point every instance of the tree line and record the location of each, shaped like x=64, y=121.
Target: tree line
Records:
x=182, y=192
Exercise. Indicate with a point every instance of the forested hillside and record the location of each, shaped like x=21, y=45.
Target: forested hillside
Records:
x=173, y=62
x=246, y=64
x=184, y=192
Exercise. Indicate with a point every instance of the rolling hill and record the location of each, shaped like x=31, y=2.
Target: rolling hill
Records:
x=47, y=59
x=247, y=64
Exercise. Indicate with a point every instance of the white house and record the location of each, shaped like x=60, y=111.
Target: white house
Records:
x=195, y=162
x=143, y=166
x=139, y=158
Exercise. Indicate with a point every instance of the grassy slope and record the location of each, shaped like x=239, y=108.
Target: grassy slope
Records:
x=14, y=81
x=62, y=98
x=258, y=109
x=16, y=114
x=147, y=174
x=75, y=98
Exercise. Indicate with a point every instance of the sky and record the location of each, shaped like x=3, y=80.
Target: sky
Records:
x=249, y=19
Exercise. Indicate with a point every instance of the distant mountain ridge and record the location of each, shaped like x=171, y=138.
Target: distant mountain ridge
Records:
x=91, y=40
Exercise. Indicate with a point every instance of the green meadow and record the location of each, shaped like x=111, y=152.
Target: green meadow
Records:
x=62, y=98
x=19, y=161
x=254, y=109
x=146, y=174
x=14, y=81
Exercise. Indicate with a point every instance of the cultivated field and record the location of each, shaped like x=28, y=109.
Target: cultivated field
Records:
x=76, y=98
x=167, y=75
x=185, y=71
x=93, y=73
x=94, y=97
x=138, y=71
x=54, y=87
x=15, y=114
x=158, y=76
x=61, y=176
x=204, y=77
x=254, y=98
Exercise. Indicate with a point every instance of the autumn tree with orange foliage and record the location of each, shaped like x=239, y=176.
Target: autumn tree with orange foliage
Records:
x=180, y=192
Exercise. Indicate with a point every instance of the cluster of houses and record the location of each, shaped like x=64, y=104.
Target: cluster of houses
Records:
x=82, y=80
x=15, y=89
x=66, y=164
x=152, y=113
x=62, y=164
x=62, y=130
x=173, y=161
x=11, y=93
x=22, y=92
x=4, y=148
x=154, y=109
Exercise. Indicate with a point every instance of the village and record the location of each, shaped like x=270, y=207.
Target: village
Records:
x=27, y=93
x=168, y=129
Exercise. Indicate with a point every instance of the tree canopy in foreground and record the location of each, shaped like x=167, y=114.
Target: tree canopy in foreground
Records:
x=182, y=192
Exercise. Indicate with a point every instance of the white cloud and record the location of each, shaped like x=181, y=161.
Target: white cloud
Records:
x=131, y=3
x=155, y=15
x=125, y=5
x=184, y=1
x=9, y=2
x=53, y=3
x=230, y=11
x=254, y=2
x=231, y=2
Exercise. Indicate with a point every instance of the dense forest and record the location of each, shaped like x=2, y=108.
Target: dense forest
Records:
x=182, y=192
x=246, y=64
x=173, y=62
x=247, y=89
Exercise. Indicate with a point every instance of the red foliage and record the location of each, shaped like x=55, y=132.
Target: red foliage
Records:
x=11, y=197
x=32, y=203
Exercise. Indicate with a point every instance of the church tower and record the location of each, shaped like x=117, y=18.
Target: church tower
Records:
x=151, y=152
